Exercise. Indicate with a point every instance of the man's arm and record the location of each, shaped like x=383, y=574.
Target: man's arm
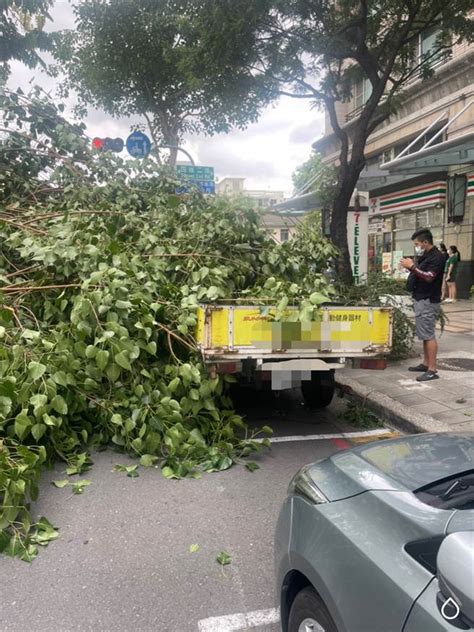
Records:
x=434, y=269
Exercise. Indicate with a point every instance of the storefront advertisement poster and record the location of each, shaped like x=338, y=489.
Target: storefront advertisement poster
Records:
x=387, y=262
x=396, y=256
x=375, y=228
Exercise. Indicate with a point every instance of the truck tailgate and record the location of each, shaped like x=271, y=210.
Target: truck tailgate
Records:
x=231, y=332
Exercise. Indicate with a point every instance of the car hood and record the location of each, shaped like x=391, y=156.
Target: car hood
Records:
x=403, y=464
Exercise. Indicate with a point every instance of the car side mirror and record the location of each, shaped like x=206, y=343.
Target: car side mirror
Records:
x=455, y=565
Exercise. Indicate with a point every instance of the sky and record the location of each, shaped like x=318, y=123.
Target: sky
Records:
x=265, y=154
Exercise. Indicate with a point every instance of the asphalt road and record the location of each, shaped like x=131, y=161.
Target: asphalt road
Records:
x=123, y=559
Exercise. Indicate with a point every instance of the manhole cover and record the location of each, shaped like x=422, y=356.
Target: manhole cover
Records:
x=456, y=364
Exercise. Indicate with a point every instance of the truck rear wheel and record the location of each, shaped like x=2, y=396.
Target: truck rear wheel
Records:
x=319, y=391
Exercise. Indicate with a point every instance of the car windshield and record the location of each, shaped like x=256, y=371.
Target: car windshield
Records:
x=456, y=492
x=423, y=460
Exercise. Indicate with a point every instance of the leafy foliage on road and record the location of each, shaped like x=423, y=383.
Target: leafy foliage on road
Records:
x=102, y=268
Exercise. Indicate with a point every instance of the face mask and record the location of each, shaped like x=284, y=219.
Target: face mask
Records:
x=419, y=250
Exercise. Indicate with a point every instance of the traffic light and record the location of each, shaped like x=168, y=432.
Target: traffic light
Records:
x=107, y=144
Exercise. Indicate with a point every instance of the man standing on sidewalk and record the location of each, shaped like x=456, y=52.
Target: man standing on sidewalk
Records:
x=425, y=282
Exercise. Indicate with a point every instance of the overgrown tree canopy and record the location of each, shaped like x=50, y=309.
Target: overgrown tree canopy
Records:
x=144, y=58
x=318, y=50
x=21, y=32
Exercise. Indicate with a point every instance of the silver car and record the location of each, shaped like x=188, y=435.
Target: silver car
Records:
x=380, y=538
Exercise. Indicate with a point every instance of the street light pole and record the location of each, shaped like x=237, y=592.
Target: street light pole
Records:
x=180, y=149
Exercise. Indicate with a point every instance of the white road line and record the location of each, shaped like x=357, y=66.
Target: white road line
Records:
x=239, y=621
x=320, y=437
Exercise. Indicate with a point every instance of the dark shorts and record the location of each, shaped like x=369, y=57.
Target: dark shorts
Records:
x=425, y=318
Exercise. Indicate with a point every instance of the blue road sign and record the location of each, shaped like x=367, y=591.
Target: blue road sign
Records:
x=200, y=177
x=138, y=145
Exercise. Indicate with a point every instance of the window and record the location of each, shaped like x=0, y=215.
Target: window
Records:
x=428, y=46
x=362, y=92
x=456, y=198
x=284, y=234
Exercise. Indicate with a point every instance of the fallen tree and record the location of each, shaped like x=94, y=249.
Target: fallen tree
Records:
x=102, y=268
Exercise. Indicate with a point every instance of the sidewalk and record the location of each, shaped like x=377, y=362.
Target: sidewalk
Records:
x=444, y=404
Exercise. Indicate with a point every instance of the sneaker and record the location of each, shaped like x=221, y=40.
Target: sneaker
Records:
x=448, y=300
x=420, y=367
x=428, y=376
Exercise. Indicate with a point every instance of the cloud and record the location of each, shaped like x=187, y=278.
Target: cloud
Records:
x=308, y=132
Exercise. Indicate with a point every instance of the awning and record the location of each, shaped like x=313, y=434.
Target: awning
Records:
x=372, y=177
x=313, y=202
x=300, y=204
x=455, y=152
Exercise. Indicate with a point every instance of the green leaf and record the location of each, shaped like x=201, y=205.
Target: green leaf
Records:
x=113, y=372
x=102, y=359
x=194, y=548
x=79, y=486
x=251, y=466
x=36, y=370
x=22, y=425
x=123, y=304
x=316, y=298
x=60, y=378
x=122, y=361
x=148, y=460
x=5, y=406
x=168, y=472
x=60, y=484
x=91, y=351
x=38, y=431
x=151, y=348
x=223, y=558
x=59, y=405
x=30, y=334
x=118, y=467
x=173, y=385
x=131, y=470
x=39, y=400
x=225, y=462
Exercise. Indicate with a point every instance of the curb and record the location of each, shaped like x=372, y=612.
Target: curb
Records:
x=396, y=415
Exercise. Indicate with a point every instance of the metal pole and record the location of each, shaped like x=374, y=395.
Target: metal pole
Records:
x=413, y=142
x=468, y=105
x=180, y=149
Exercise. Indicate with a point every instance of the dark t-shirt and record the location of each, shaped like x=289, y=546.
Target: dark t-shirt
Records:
x=426, y=278
x=452, y=261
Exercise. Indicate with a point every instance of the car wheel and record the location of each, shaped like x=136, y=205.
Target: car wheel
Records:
x=309, y=614
x=318, y=392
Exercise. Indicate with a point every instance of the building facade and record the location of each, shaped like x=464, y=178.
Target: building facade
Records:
x=420, y=164
x=280, y=226
x=261, y=198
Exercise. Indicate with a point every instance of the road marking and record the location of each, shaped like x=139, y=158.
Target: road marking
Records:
x=386, y=435
x=322, y=437
x=342, y=444
x=239, y=621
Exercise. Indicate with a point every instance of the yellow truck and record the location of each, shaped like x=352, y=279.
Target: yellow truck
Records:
x=286, y=353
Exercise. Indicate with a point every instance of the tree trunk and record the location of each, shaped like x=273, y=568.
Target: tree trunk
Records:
x=173, y=156
x=347, y=181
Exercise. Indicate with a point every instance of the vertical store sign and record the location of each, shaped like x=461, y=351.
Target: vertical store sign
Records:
x=357, y=237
